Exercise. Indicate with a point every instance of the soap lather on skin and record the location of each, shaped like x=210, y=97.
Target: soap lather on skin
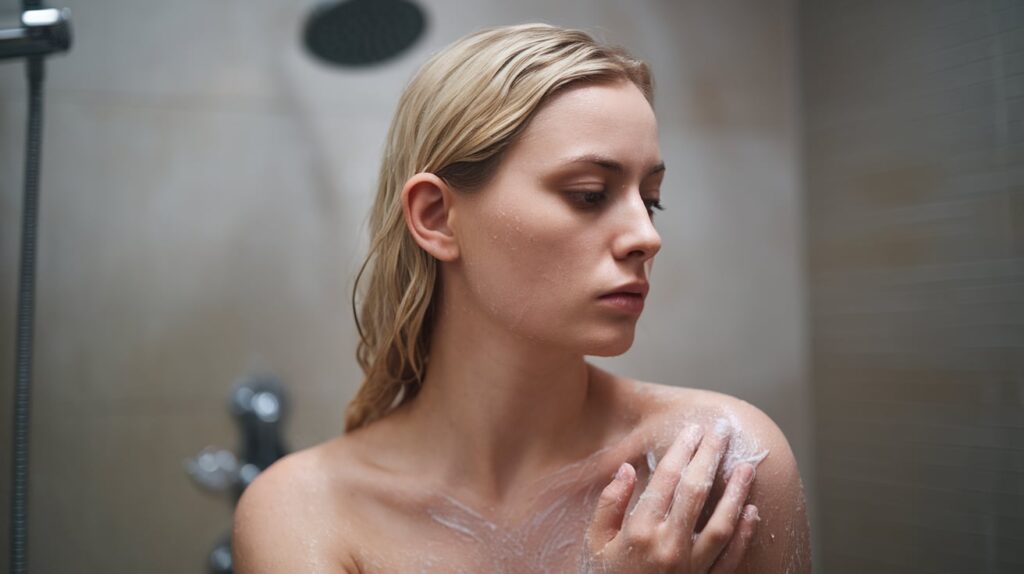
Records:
x=545, y=540
x=742, y=447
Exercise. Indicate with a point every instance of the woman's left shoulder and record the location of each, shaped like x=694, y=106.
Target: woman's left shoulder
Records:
x=782, y=541
x=754, y=436
x=665, y=404
x=745, y=420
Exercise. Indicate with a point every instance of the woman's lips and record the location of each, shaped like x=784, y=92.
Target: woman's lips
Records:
x=628, y=302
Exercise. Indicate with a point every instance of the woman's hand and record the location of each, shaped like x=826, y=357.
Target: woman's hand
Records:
x=659, y=533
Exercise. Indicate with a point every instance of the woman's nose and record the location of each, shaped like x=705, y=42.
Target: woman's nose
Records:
x=637, y=236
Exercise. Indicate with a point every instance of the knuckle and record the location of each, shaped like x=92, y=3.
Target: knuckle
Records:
x=698, y=488
x=641, y=536
x=666, y=557
x=718, y=534
x=695, y=490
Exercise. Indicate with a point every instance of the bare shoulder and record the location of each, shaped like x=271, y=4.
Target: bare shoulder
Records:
x=668, y=407
x=286, y=520
x=782, y=541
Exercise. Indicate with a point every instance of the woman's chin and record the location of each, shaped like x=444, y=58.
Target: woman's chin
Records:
x=611, y=346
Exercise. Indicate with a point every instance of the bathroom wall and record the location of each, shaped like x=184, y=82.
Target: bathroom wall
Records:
x=913, y=119
x=203, y=194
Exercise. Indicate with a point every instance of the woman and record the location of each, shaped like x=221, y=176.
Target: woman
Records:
x=513, y=235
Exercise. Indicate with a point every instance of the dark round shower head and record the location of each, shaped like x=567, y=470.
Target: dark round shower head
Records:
x=362, y=32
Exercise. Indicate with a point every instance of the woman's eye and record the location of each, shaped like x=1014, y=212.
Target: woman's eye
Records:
x=589, y=198
x=593, y=199
x=653, y=204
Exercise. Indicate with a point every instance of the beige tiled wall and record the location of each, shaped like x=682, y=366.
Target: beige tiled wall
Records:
x=204, y=186
x=914, y=116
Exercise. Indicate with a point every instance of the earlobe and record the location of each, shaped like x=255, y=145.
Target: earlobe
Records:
x=427, y=203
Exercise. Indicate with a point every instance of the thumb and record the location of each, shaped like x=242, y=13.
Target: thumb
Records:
x=611, y=508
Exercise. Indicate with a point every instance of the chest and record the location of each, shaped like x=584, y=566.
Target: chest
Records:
x=448, y=536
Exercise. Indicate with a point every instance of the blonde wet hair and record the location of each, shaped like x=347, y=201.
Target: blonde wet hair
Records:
x=455, y=119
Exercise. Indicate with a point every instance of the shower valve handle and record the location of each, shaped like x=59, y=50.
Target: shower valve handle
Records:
x=214, y=469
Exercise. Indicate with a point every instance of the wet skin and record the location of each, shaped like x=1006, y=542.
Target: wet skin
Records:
x=344, y=511
x=498, y=463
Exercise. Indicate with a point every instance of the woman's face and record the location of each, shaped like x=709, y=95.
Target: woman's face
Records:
x=565, y=220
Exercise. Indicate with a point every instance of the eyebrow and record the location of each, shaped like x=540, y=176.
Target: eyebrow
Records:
x=611, y=164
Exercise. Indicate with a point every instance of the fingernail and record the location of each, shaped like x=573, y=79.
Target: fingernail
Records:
x=622, y=472
x=746, y=474
x=750, y=513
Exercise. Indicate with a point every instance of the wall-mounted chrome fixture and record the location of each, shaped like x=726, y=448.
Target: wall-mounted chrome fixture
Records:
x=43, y=31
x=259, y=404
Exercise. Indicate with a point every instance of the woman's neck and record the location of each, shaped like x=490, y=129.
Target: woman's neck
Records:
x=496, y=408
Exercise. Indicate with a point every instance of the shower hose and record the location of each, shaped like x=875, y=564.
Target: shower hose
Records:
x=26, y=312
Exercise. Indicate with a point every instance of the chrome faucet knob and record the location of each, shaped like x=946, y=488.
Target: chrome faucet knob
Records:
x=214, y=469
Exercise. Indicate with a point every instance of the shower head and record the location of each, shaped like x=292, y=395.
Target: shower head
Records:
x=362, y=33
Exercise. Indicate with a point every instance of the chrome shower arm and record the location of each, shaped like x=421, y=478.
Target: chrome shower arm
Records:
x=44, y=31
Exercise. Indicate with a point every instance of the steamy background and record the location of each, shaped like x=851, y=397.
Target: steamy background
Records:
x=843, y=247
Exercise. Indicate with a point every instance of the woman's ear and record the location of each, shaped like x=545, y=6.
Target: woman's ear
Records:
x=427, y=203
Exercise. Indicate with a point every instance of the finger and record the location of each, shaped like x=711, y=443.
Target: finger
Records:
x=723, y=523
x=697, y=478
x=657, y=498
x=733, y=555
x=611, y=507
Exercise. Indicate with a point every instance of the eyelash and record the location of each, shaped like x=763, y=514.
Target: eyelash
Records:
x=652, y=204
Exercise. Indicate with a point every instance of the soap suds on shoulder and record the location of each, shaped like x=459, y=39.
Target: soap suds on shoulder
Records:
x=744, y=445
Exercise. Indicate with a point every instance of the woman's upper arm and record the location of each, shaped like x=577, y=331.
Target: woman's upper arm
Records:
x=782, y=541
x=279, y=529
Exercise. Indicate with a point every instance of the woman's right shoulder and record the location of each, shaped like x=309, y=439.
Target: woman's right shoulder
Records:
x=287, y=519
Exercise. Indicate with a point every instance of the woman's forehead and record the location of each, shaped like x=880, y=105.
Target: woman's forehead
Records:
x=610, y=124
